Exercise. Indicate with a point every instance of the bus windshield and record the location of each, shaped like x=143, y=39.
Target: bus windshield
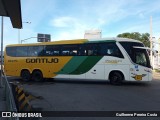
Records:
x=141, y=57
x=137, y=55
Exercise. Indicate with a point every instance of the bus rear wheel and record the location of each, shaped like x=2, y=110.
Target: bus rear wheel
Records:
x=26, y=76
x=37, y=76
x=116, y=78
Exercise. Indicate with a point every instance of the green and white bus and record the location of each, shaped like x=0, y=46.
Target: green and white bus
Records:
x=113, y=59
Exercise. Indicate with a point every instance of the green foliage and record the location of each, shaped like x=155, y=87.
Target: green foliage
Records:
x=144, y=37
x=157, y=70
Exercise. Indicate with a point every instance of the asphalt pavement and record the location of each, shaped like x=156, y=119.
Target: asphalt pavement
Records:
x=78, y=95
x=2, y=99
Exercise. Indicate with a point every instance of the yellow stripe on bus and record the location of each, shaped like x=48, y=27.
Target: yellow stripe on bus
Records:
x=48, y=65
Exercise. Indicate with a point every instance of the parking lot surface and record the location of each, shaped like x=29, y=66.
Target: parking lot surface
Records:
x=82, y=95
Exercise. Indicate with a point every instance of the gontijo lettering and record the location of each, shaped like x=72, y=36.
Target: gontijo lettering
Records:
x=42, y=60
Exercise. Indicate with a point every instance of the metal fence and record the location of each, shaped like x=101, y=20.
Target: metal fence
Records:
x=10, y=102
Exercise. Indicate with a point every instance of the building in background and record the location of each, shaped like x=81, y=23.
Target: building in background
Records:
x=156, y=55
x=159, y=53
x=93, y=34
x=155, y=60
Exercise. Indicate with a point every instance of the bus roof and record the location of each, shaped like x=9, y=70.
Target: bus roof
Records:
x=116, y=39
x=80, y=41
x=127, y=39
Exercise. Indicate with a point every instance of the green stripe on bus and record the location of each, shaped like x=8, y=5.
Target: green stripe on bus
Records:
x=71, y=66
x=87, y=65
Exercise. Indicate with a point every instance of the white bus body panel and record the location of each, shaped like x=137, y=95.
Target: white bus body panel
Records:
x=130, y=70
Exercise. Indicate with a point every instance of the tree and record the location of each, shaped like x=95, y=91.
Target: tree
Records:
x=144, y=37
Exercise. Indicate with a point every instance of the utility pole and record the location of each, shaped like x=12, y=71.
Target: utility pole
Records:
x=159, y=53
x=151, y=42
x=1, y=84
x=19, y=34
x=19, y=41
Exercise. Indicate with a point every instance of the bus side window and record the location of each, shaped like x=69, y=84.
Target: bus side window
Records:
x=52, y=50
x=110, y=49
x=115, y=51
x=35, y=51
x=70, y=50
x=103, y=49
x=90, y=52
x=40, y=50
x=48, y=50
x=81, y=51
x=73, y=52
x=21, y=51
x=11, y=51
x=91, y=49
x=31, y=51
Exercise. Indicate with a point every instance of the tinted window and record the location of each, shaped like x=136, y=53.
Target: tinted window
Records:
x=54, y=50
x=141, y=57
x=11, y=51
x=35, y=51
x=70, y=50
x=21, y=51
x=89, y=49
x=128, y=46
x=110, y=49
x=24, y=51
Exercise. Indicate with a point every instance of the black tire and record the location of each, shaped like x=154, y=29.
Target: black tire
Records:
x=26, y=76
x=116, y=78
x=37, y=76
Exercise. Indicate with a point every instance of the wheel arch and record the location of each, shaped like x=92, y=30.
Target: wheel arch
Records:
x=24, y=70
x=119, y=71
x=37, y=75
x=25, y=75
x=37, y=70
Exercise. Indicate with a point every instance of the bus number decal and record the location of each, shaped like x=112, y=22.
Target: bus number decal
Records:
x=42, y=60
x=12, y=60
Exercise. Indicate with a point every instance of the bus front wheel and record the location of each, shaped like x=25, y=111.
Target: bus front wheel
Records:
x=116, y=78
x=37, y=76
x=26, y=76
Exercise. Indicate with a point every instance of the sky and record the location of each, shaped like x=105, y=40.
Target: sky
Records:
x=69, y=19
